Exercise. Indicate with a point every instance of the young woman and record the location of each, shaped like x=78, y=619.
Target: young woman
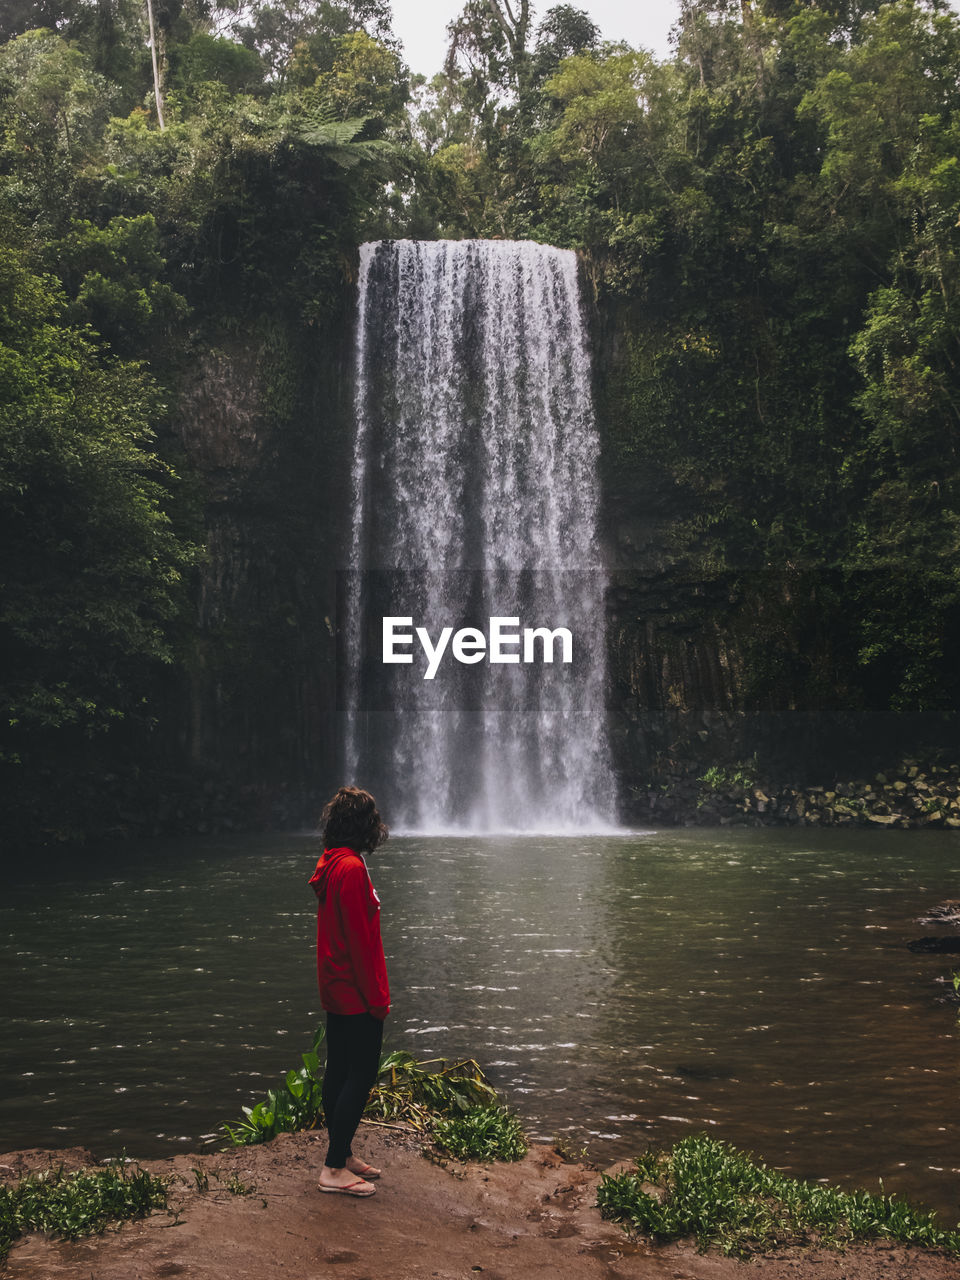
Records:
x=352, y=974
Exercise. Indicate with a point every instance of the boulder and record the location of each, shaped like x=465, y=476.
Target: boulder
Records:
x=949, y=945
x=943, y=913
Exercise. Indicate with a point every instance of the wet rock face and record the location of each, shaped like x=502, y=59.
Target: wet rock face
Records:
x=220, y=412
x=261, y=423
x=726, y=796
x=710, y=665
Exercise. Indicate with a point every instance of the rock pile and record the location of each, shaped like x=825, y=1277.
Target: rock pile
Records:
x=905, y=796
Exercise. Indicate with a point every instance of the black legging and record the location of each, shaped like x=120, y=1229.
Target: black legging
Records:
x=353, y=1056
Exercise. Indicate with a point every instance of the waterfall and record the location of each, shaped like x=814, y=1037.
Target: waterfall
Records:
x=475, y=495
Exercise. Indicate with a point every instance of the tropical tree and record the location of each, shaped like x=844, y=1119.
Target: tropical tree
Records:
x=93, y=576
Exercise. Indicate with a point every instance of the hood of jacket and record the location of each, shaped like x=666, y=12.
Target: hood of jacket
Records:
x=329, y=859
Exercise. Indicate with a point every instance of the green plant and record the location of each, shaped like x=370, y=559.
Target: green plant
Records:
x=569, y=1154
x=237, y=1187
x=722, y=1196
x=77, y=1204
x=406, y=1090
x=294, y=1105
x=721, y=777
x=481, y=1133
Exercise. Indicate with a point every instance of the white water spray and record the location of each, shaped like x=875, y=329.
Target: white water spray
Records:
x=475, y=493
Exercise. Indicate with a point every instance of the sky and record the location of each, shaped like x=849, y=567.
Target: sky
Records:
x=421, y=25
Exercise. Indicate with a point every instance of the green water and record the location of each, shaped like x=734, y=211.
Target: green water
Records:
x=625, y=989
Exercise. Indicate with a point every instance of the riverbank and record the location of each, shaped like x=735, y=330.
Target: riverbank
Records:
x=906, y=796
x=255, y=1212
x=130, y=805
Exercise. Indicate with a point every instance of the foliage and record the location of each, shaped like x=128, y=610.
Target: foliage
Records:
x=563, y=32
x=259, y=198
x=408, y=1091
x=93, y=572
x=365, y=79
x=723, y=1197
x=77, y=1204
x=54, y=109
x=283, y=31
x=481, y=1133
x=205, y=58
x=405, y=1091
x=294, y=1105
x=721, y=777
x=113, y=275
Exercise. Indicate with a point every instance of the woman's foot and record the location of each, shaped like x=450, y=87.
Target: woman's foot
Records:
x=361, y=1169
x=344, y=1182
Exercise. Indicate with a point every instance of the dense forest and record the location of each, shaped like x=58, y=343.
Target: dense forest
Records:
x=769, y=235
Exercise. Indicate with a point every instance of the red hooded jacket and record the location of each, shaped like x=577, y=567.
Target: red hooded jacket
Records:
x=351, y=968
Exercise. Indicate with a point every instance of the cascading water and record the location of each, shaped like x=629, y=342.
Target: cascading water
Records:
x=475, y=495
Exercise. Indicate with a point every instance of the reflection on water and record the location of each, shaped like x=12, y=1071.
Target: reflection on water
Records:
x=622, y=989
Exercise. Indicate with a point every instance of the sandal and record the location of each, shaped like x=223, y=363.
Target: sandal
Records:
x=367, y=1171
x=350, y=1189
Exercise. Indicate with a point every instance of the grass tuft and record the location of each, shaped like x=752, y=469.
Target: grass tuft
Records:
x=482, y=1133
x=720, y=1195
x=77, y=1204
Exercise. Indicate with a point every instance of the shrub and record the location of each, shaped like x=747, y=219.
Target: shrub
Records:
x=720, y=1195
x=406, y=1090
x=77, y=1204
x=482, y=1133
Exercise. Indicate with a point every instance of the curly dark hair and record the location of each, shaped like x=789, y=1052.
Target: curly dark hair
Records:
x=351, y=819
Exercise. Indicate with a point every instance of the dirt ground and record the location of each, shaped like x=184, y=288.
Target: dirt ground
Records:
x=501, y=1222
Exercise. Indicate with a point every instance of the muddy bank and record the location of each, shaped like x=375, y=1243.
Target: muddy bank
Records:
x=255, y=1213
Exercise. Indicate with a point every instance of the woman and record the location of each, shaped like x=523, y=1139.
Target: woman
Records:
x=352, y=974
